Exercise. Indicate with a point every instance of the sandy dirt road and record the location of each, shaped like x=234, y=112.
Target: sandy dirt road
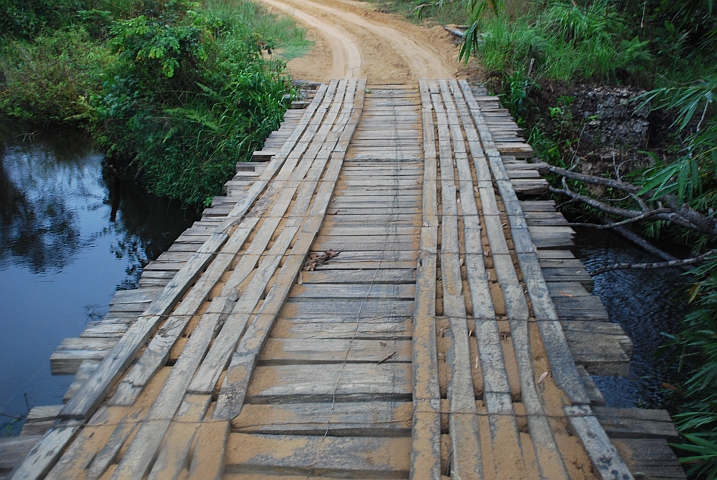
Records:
x=352, y=40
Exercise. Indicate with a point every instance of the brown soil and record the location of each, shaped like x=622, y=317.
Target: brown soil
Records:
x=352, y=40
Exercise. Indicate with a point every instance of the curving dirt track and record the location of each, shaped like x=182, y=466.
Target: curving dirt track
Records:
x=352, y=40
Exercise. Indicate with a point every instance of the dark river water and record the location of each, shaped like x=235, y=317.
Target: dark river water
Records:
x=70, y=236
x=646, y=303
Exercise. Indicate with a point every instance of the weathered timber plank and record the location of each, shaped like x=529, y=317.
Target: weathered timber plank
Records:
x=14, y=449
x=364, y=291
x=339, y=328
x=359, y=276
x=652, y=457
x=71, y=352
x=354, y=309
x=234, y=388
x=140, y=454
x=45, y=453
x=382, y=419
x=157, y=352
x=636, y=423
x=324, y=351
x=341, y=456
x=115, y=363
x=358, y=382
x=546, y=449
x=603, y=454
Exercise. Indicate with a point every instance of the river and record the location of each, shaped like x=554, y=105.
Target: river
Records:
x=646, y=303
x=70, y=236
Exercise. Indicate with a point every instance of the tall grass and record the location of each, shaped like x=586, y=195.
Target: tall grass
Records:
x=564, y=42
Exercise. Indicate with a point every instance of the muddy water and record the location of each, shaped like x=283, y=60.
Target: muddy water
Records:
x=70, y=236
x=646, y=303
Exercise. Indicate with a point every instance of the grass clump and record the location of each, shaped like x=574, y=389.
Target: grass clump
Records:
x=563, y=42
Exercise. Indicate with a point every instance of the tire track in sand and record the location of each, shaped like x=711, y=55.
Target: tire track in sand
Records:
x=382, y=48
x=346, y=56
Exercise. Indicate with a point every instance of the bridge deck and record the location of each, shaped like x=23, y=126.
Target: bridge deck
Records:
x=370, y=305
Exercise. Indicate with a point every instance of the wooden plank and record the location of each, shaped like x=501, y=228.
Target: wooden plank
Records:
x=358, y=276
x=220, y=353
x=505, y=448
x=594, y=393
x=140, y=454
x=651, y=457
x=350, y=382
x=636, y=423
x=116, y=362
x=324, y=351
x=306, y=126
x=71, y=352
x=171, y=461
x=365, y=291
x=83, y=373
x=39, y=420
x=209, y=450
x=354, y=309
x=372, y=457
x=338, y=327
x=426, y=427
x=599, y=354
x=45, y=453
x=157, y=352
x=603, y=454
x=547, y=453
x=143, y=295
x=382, y=419
x=104, y=330
x=466, y=455
x=243, y=362
x=14, y=449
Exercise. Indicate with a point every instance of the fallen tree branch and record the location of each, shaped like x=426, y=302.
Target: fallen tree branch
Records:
x=642, y=243
x=644, y=266
x=604, y=226
x=679, y=214
x=669, y=215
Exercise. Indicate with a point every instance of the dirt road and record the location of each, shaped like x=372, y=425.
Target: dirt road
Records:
x=352, y=40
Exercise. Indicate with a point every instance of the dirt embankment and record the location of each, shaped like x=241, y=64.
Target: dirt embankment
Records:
x=352, y=40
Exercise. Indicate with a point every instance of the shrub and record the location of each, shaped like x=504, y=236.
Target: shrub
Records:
x=189, y=99
x=52, y=78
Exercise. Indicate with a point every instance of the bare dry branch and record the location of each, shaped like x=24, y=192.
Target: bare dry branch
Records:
x=644, y=266
x=678, y=214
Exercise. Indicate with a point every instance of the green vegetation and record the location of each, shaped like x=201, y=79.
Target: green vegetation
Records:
x=176, y=92
x=528, y=50
x=671, y=48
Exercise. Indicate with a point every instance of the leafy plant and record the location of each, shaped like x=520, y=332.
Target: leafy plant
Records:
x=191, y=97
x=693, y=172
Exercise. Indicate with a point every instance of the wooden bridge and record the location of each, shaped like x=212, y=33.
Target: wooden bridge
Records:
x=372, y=301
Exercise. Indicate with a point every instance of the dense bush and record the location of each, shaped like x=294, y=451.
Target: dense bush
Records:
x=52, y=77
x=177, y=92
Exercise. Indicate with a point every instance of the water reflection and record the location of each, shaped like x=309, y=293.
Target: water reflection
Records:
x=37, y=228
x=70, y=235
x=646, y=303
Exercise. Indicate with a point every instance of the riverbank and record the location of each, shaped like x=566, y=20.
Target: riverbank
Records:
x=174, y=92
